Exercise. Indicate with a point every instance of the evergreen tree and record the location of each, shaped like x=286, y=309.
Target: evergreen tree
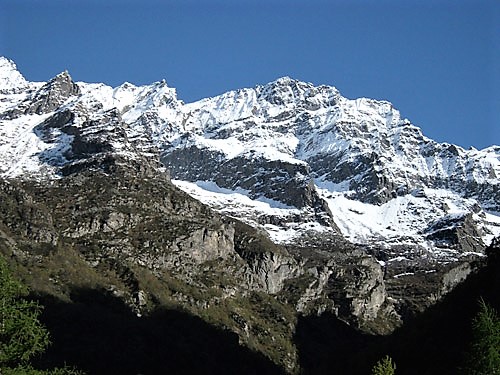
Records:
x=22, y=336
x=484, y=356
x=384, y=367
x=21, y=333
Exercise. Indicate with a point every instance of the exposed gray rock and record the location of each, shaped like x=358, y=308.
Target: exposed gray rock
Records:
x=290, y=184
x=351, y=285
x=46, y=99
x=457, y=232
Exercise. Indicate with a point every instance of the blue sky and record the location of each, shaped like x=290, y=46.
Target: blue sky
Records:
x=437, y=61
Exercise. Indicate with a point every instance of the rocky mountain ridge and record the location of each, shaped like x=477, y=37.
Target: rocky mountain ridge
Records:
x=310, y=203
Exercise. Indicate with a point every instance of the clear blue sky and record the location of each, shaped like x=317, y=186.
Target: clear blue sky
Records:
x=438, y=61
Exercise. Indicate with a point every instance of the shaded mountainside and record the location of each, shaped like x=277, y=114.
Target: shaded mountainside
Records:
x=99, y=334
x=87, y=258
x=266, y=225
x=172, y=341
x=141, y=242
x=431, y=343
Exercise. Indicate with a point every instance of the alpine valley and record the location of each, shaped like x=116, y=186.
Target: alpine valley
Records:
x=277, y=229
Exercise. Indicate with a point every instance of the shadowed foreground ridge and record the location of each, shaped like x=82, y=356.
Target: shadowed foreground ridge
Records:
x=434, y=342
x=98, y=334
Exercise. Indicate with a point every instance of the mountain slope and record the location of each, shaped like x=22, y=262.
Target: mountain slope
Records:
x=299, y=202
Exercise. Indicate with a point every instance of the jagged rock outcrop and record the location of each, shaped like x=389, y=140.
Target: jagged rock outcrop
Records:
x=459, y=232
x=351, y=286
x=46, y=99
x=270, y=264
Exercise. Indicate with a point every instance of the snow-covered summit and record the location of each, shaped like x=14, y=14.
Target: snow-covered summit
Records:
x=10, y=78
x=362, y=146
x=328, y=164
x=355, y=161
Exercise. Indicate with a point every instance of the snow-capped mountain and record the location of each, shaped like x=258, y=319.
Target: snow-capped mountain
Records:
x=310, y=203
x=287, y=156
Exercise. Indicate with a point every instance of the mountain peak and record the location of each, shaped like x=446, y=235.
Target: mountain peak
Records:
x=63, y=77
x=10, y=78
x=286, y=90
x=285, y=80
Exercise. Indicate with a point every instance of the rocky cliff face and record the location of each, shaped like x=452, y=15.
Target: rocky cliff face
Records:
x=247, y=210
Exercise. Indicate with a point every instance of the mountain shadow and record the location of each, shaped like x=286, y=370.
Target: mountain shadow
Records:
x=98, y=334
x=430, y=343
